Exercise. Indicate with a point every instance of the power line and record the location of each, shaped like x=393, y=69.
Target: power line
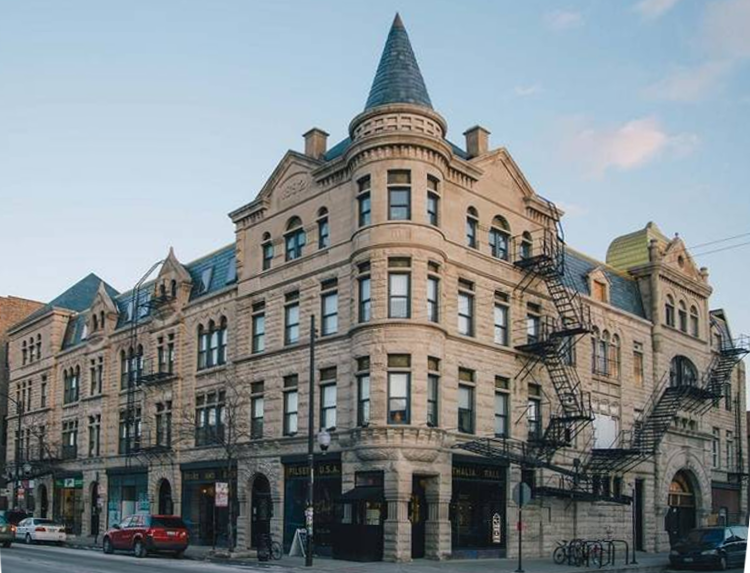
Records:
x=718, y=241
x=724, y=249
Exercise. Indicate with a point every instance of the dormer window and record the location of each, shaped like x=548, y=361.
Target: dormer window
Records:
x=85, y=331
x=129, y=311
x=206, y=277
x=599, y=290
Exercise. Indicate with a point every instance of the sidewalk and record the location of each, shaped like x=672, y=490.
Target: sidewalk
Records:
x=647, y=563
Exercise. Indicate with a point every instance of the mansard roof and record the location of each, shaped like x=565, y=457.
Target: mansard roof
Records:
x=631, y=250
x=398, y=79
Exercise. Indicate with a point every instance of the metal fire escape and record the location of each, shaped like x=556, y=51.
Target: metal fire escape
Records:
x=669, y=398
x=553, y=340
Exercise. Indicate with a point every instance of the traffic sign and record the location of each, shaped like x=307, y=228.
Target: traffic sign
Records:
x=521, y=494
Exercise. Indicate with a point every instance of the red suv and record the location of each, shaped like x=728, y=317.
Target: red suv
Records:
x=142, y=533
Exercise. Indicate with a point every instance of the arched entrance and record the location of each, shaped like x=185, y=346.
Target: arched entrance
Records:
x=682, y=372
x=95, y=509
x=43, y=501
x=682, y=501
x=261, y=509
x=166, y=506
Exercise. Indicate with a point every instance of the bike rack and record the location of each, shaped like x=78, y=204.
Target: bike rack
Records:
x=578, y=552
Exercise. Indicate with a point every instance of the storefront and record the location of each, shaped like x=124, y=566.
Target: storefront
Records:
x=478, y=509
x=362, y=511
x=127, y=493
x=327, y=491
x=68, y=502
x=208, y=524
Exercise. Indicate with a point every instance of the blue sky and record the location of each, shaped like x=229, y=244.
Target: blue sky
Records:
x=127, y=127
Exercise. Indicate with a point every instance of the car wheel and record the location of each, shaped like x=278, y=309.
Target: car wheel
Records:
x=28, y=539
x=139, y=550
x=107, y=546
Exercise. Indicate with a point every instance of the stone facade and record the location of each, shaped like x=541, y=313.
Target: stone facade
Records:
x=392, y=208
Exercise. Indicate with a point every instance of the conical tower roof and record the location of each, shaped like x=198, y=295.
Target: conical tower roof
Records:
x=398, y=79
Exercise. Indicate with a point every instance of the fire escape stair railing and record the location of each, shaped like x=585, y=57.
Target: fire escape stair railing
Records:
x=643, y=441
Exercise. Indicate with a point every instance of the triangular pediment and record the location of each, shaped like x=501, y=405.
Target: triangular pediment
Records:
x=677, y=258
x=291, y=179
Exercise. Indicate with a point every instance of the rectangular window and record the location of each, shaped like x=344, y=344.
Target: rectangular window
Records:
x=466, y=402
x=324, y=233
x=329, y=303
x=209, y=418
x=433, y=202
x=731, y=461
x=290, y=412
x=70, y=439
x=43, y=393
x=126, y=446
x=533, y=328
x=363, y=201
x=257, y=407
x=716, y=448
x=328, y=398
x=600, y=291
x=399, y=295
x=501, y=414
x=399, y=388
x=259, y=329
x=638, y=366
x=363, y=391
x=163, y=420
x=291, y=320
x=433, y=389
x=728, y=396
x=465, y=313
x=471, y=232
x=365, y=297
x=501, y=324
x=433, y=299
x=399, y=195
x=95, y=427
x=267, y=255
x=534, y=412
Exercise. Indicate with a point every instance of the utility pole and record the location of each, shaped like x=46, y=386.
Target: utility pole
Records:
x=309, y=512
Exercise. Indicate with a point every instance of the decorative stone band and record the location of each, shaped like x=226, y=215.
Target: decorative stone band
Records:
x=398, y=117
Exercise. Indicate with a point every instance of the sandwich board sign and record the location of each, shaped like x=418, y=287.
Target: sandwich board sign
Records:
x=299, y=543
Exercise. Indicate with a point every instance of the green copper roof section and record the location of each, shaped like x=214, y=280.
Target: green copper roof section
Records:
x=398, y=79
x=631, y=250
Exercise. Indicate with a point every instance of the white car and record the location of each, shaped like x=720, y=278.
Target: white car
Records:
x=38, y=530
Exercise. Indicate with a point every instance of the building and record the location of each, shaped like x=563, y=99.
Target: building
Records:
x=462, y=349
x=12, y=310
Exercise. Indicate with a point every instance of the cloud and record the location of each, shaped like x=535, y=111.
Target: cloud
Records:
x=624, y=147
x=563, y=20
x=725, y=29
x=525, y=91
x=653, y=9
x=690, y=85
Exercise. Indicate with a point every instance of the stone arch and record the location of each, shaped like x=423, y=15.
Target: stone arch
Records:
x=164, y=500
x=694, y=474
x=261, y=507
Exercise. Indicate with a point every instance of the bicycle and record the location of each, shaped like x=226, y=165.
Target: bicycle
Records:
x=267, y=547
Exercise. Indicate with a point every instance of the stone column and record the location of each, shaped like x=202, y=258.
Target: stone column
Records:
x=397, y=528
x=438, y=526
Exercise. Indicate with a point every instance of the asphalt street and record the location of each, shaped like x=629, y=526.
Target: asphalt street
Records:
x=46, y=559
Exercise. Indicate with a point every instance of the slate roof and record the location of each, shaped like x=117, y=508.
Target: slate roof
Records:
x=77, y=298
x=623, y=291
x=398, y=79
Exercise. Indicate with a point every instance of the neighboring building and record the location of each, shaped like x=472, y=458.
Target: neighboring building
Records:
x=446, y=370
x=12, y=310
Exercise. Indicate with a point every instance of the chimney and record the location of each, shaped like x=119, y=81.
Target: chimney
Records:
x=316, y=141
x=477, y=141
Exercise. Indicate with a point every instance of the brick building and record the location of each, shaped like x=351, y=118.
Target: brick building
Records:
x=462, y=348
x=12, y=310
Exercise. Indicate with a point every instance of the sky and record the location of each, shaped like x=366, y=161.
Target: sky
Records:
x=129, y=127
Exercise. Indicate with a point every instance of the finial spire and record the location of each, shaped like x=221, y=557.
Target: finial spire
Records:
x=398, y=79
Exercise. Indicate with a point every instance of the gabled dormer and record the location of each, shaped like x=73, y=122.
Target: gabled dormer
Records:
x=599, y=285
x=171, y=289
x=102, y=316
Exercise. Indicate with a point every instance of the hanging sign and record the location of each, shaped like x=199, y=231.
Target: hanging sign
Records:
x=221, y=498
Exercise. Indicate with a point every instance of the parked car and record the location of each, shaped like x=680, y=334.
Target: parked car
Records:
x=7, y=532
x=15, y=516
x=40, y=530
x=720, y=547
x=143, y=534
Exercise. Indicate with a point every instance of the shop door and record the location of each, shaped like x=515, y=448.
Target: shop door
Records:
x=681, y=515
x=418, y=517
x=261, y=510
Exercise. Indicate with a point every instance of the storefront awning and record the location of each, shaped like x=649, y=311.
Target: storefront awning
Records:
x=362, y=494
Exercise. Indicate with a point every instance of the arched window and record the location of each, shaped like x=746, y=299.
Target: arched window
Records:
x=694, y=322
x=600, y=353
x=324, y=231
x=499, y=237
x=669, y=311
x=24, y=352
x=294, y=239
x=614, y=357
x=163, y=290
x=31, y=349
x=95, y=323
x=682, y=372
x=173, y=288
x=527, y=245
x=38, y=346
x=213, y=344
x=101, y=319
x=267, y=251
x=202, y=347
x=124, y=370
x=682, y=316
x=472, y=225
x=222, y=341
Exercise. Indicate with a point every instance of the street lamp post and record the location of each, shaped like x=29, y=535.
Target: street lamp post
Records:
x=309, y=510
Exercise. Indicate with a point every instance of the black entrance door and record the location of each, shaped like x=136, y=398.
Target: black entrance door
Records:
x=261, y=511
x=165, y=498
x=418, y=517
x=681, y=515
